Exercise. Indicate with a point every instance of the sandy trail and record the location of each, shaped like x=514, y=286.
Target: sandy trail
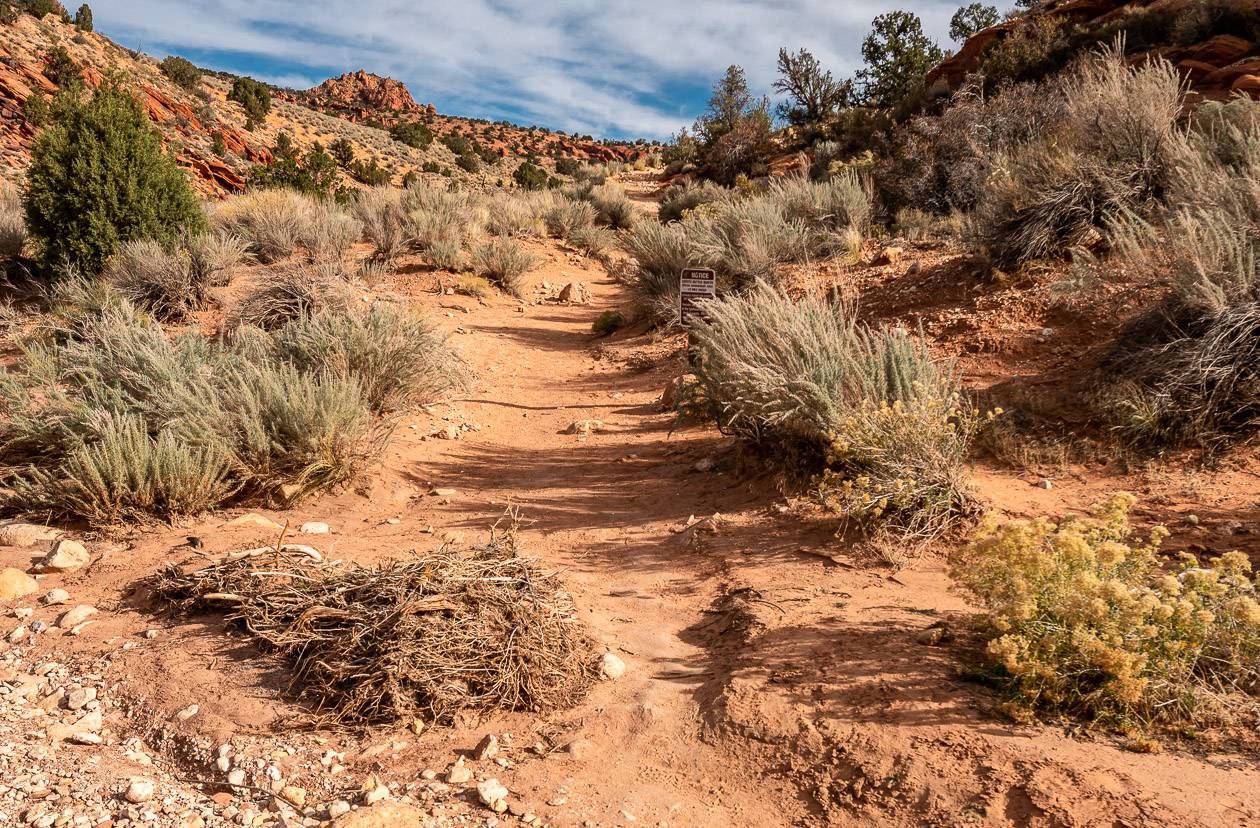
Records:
x=774, y=676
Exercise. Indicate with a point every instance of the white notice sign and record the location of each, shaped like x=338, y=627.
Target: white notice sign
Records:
x=698, y=283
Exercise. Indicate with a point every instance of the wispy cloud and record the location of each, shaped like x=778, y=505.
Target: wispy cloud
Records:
x=618, y=67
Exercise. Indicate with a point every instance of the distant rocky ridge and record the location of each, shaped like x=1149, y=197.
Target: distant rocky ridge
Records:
x=190, y=121
x=363, y=97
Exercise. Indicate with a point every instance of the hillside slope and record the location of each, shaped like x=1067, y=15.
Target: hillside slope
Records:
x=189, y=120
x=1215, y=46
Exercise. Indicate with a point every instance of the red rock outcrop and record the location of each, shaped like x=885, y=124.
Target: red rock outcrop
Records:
x=1216, y=68
x=363, y=92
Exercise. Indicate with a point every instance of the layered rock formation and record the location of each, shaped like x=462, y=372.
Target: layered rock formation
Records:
x=1221, y=65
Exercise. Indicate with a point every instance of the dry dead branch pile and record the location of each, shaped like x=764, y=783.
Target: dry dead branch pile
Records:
x=473, y=629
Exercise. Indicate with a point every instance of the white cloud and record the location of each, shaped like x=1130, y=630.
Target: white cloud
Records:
x=603, y=68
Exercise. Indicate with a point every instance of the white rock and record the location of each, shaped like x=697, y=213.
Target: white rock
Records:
x=314, y=527
x=66, y=556
x=237, y=777
x=338, y=808
x=493, y=795
x=458, y=774
x=187, y=713
x=223, y=763
x=487, y=748
x=140, y=790
x=611, y=667
x=76, y=616
x=19, y=632
x=55, y=596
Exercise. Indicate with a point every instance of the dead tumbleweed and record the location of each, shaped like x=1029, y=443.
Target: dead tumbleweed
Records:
x=460, y=629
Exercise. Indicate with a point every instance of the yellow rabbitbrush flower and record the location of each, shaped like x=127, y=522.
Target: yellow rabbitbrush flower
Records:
x=1085, y=620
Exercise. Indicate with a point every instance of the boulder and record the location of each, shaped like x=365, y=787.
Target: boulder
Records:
x=27, y=534
x=66, y=556
x=76, y=616
x=14, y=583
x=573, y=293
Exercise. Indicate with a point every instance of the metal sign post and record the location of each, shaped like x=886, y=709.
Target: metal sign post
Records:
x=696, y=285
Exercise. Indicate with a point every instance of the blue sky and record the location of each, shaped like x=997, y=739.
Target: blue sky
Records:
x=614, y=68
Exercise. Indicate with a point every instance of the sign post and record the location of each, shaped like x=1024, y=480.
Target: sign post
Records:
x=696, y=285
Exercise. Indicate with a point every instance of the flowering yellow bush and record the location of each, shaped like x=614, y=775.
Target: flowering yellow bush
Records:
x=1085, y=620
x=900, y=463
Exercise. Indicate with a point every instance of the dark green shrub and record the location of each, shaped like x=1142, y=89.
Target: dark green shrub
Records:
x=607, y=323
x=83, y=18
x=468, y=162
x=530, y=177
x=254, y=97
x=342, y=152
x=99, y=177
x=61, y=69
x=370, y=173
x=181, y=71
x=410, y=178
x=42, y=8
x=314, y=173
x=568, y=166
x=217, y=145
x=413, y=134
x=432, y=167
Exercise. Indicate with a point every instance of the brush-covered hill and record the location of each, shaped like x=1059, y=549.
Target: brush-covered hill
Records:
x=1214, y=44
x=208, y=133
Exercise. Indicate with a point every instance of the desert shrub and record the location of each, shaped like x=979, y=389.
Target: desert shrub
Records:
x=1196, y=379
x=1084, y=620
x=516, y=216
x=124, y=473
x=881, y=423
x=468, y=162
x=568, y=166
x=313, y=172
x=181, y=71
x=504, y=262
x=62, y=69
x=920, y=225
x=327, y=232
x=397, y=360
x=413, y=134
x=1112, y=152
x=607, y=323
x=939, y=164
x=613, y=207
x=531, y=177
x=678, y=199
x=593, y=241
x=12, y=222
x=121, y=421
x=342, y=152
x=291, y=293
x=749, y=239
x=835, y=204
x=254, y=98
x=661, y=252
x=99, y=177
x=385, y=222
x=370, y=172
x=272, y=222
x=569, y=216
x=473, y=285
x=445, y=255
x=172, y=281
